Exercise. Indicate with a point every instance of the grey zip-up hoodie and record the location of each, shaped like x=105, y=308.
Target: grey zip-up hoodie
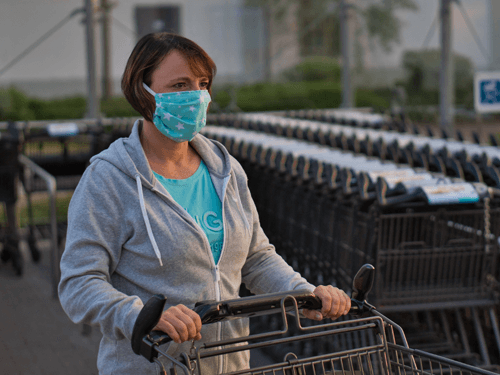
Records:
x=127, y=239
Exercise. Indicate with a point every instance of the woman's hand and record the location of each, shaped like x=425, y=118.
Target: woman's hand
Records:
x=180, y=323
x=335, y=303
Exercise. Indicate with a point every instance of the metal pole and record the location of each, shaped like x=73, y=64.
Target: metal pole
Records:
x=51, y=183
x=483, y=347
x=446, y=84
x=267, y=47
x=107, y=83
x=347, y=95
x=92, y=100
x=494, y=11
x=494, y=324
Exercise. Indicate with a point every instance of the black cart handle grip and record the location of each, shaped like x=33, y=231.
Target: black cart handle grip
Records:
x=146, y=320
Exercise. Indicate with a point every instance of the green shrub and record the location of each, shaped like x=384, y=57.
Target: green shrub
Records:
x=117, y=107
x=15, y=105
x=423, y=67
x=324, y=94
x=378, y=99
x=59, y=109
x=300, y=95
x=464, y=97
x=220, y=98
x=291, y=95
x=316, y=68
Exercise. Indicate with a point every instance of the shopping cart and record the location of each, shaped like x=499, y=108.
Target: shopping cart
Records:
x=381, y=346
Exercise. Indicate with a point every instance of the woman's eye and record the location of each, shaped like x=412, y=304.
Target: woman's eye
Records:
x=204, y=84
x=179, y=85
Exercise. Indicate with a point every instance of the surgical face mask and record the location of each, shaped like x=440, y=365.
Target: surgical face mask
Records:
x=180, y=115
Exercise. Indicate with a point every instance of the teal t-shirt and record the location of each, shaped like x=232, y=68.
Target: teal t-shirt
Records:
x=197, y=195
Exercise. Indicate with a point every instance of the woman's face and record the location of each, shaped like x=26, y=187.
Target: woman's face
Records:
x=173, y=74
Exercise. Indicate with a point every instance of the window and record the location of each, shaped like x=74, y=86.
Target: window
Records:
x=152, y=19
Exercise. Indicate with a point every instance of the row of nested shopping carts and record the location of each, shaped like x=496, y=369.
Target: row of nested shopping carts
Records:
x=330, y=204
x=364, y=117
x=335, y=196
x=50, y=157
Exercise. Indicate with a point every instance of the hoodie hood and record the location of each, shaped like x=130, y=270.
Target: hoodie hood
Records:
x=125, y=155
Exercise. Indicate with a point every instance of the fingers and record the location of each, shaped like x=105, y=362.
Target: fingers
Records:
x=180, y=323
x=312, y=314
x=335, y=302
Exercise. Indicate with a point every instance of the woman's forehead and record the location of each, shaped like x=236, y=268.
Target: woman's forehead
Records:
x=177, y=65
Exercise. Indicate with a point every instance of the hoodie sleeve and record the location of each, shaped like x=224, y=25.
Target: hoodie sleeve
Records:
x=93, y=248
x=264, y=271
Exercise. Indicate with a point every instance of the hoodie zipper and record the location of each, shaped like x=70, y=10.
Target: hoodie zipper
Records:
x=217, y=270
x=217, y=277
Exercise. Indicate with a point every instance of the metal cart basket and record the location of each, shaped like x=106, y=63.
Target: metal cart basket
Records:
x=379, y=354
x=380, y=345
x=435, y=257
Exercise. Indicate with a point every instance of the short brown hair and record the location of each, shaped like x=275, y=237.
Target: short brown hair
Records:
x=145, y=58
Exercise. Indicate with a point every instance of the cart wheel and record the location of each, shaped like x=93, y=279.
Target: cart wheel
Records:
x=35, y=253
x=11, y=252
x=17, y=262
x=5, y=255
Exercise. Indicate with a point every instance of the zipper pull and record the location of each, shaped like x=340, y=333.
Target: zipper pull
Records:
x=217, y=274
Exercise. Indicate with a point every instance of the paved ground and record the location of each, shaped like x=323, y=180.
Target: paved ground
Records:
x=36, y=336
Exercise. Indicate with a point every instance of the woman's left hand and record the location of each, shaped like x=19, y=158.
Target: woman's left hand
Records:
x=334, y=300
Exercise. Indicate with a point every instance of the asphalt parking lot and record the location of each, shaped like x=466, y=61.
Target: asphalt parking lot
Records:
x=36, y=335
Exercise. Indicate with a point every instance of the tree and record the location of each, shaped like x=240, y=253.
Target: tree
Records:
x=382, y=23
x=423, y=66
x=318, y=24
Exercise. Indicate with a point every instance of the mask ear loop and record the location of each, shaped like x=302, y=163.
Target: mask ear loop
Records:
x=148, y=89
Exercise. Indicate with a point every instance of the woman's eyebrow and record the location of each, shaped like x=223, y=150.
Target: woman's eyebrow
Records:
x=186, y=78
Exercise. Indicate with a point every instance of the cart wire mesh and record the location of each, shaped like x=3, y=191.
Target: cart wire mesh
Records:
x=377, y=353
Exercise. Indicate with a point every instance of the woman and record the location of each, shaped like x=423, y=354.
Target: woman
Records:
x=168, y=211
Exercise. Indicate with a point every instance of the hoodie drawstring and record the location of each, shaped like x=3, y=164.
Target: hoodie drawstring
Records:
x=146, y=219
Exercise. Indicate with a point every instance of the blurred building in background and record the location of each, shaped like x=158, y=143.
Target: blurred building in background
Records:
x=232, y=33
x=250, y=40
x=157, y=18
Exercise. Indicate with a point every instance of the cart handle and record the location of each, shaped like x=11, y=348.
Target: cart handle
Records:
x=144, y=339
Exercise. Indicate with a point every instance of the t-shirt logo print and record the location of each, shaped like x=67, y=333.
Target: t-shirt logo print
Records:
x=215, y=221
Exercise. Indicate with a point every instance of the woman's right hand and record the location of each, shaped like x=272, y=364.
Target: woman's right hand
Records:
x=180, y=324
